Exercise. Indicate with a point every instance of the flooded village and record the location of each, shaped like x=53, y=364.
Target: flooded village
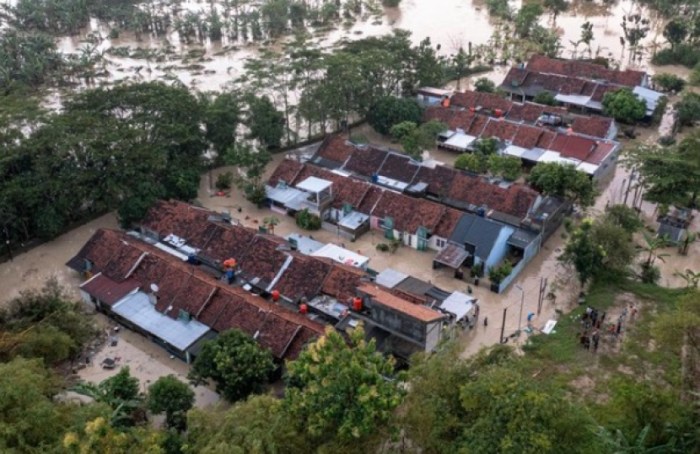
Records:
x=468, y=186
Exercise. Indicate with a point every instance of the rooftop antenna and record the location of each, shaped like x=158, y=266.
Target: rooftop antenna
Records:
x=154, y=287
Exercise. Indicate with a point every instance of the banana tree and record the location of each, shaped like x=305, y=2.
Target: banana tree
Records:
x=691, y=278
x=653, y=244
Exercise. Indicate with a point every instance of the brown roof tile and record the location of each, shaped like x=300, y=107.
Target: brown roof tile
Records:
x=478, y=125
x=400, y=168
x=108, y=291
x=386, y=299
x=303, y=278
x=576, y=147
x=370, y=199
x=227, y=241
x=182, y=219
x=500, y=129
x=582, y=69
x=453, y=118
x=263, y=260
x=438, y=179
x=336, y=148
x=408, y=213
x=286, y=171
x=341, y=281
x=592, y=126
x=448, y=222
x=527, y=136
x=468, y=189
x=366, y=161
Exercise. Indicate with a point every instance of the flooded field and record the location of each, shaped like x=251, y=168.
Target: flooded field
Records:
x=450, y=24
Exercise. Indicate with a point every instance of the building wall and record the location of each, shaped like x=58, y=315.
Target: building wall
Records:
x=433, y=243
x=433, y=336
x=500, y=247
x=400, y=323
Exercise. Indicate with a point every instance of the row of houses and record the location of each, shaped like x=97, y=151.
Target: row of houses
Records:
x=531, y=132
x=353, y=206
x=186, y=274
x=577, y=84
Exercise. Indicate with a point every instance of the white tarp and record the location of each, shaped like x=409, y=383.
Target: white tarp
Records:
x=458, y=304
x=549, y=326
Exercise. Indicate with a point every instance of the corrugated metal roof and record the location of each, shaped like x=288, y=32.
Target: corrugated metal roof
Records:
x=458, y=304
x=138, y=309
x=390, y=278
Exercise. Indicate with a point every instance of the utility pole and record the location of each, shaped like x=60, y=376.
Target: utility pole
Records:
x=503, y=324
x=522, y=302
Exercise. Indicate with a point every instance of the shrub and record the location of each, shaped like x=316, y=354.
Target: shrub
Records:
x=545, y=97
x=224, y=181
x=624, y=106
x=484, y=85
x=683, y=54
x=473, y=162
x=695, y=75
x=668, y=82
x=650, y=274
x=308, y=221
x=383, y=247
x=688, y=109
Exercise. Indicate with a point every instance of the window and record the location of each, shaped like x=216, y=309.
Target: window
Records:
x=440, y=242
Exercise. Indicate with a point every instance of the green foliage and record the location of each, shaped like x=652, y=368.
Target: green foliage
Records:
x=100, y=436
x=414, y=139
x=625, y=217
x=236, y=364
x=668, y=82
x=224, y=181
x=695, y=75
x=382, y=247
x=44, y=324
x=500, y=272
x=563, y=181
x=687, y=55
x=508, y=413
x=258, y=425
x=473, y=162
x=650, y=274
x=29, y=59
x=688, y=109
x=507, y=167
x=484, y=85
x=670, y=175
x=499, y=8
x=265, y=122
x=487, y=146
x=390, y=110
x=121, y=393
x=174, y=398
x=546, y=98
x=624, y=106
x=222, y=114
x=308, y=221
x=526, y=19
x=555, y=7
x=401, y=130
x=342, y=391
x=675, y=31
x=598, y=250
x=28, y=417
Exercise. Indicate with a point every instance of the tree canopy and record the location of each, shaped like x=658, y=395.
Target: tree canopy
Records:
x=173, y=397
x=563, y=181
x=235, y=362
x=342, y=391
x=389, y=111
x=624, y=106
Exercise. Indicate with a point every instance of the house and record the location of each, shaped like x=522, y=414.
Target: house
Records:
x=416, y=324
x=576, y=83
x=177, y=304
x=483, y=239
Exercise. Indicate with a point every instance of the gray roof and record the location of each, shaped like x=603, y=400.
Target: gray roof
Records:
x=480, y=232
x=673, y=233
x=415, y=286
x=521, y=238
x=390, y=278
x=181, y=334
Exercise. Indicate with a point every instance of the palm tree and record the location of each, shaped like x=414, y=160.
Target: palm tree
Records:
x=652, y=245
x=270, y=222
x=691, y=278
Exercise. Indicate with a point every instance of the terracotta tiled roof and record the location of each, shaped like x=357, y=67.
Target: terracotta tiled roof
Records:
x=530, y=112
x=582, y=69
x=184, y=220
x=527, y=136
x=472, y=99
x=386, y=299
x=366, y=161
x=341, y=281
x=400, y=168
x=478, y=125
x=592, y=126
x=286, y=171
x=108, y=291
x=546, y=139
x=263, y=260
x=602, y=151
x=448, y=222
x=500, y=129
x=438, y=179
x=227, y=241
x=516, y=200
x=184, y=287
x=465, y=99
x=408, y=213
x=573, y=146
x=345, y=190
x=336, y=148
x=370, y=199
x=303, y=277
x=453, y=118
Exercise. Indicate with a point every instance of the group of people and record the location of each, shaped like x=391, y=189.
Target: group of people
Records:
x=593, y=321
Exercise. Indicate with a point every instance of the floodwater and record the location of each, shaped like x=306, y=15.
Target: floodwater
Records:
x=450, y=24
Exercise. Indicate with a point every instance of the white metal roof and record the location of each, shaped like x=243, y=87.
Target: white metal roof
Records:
x=458, y=304
x=289, y=197
x=514, y=150
x=353, y=220
x=305, y=244
x=341, y=255
x=573, y=99
x=390, y=278
x=650, y=97
x=313, y=184
x=460, y=141
x=587, y=167
x=137, y=309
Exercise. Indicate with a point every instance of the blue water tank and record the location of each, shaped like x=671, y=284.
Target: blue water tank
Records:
x=375, y=178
